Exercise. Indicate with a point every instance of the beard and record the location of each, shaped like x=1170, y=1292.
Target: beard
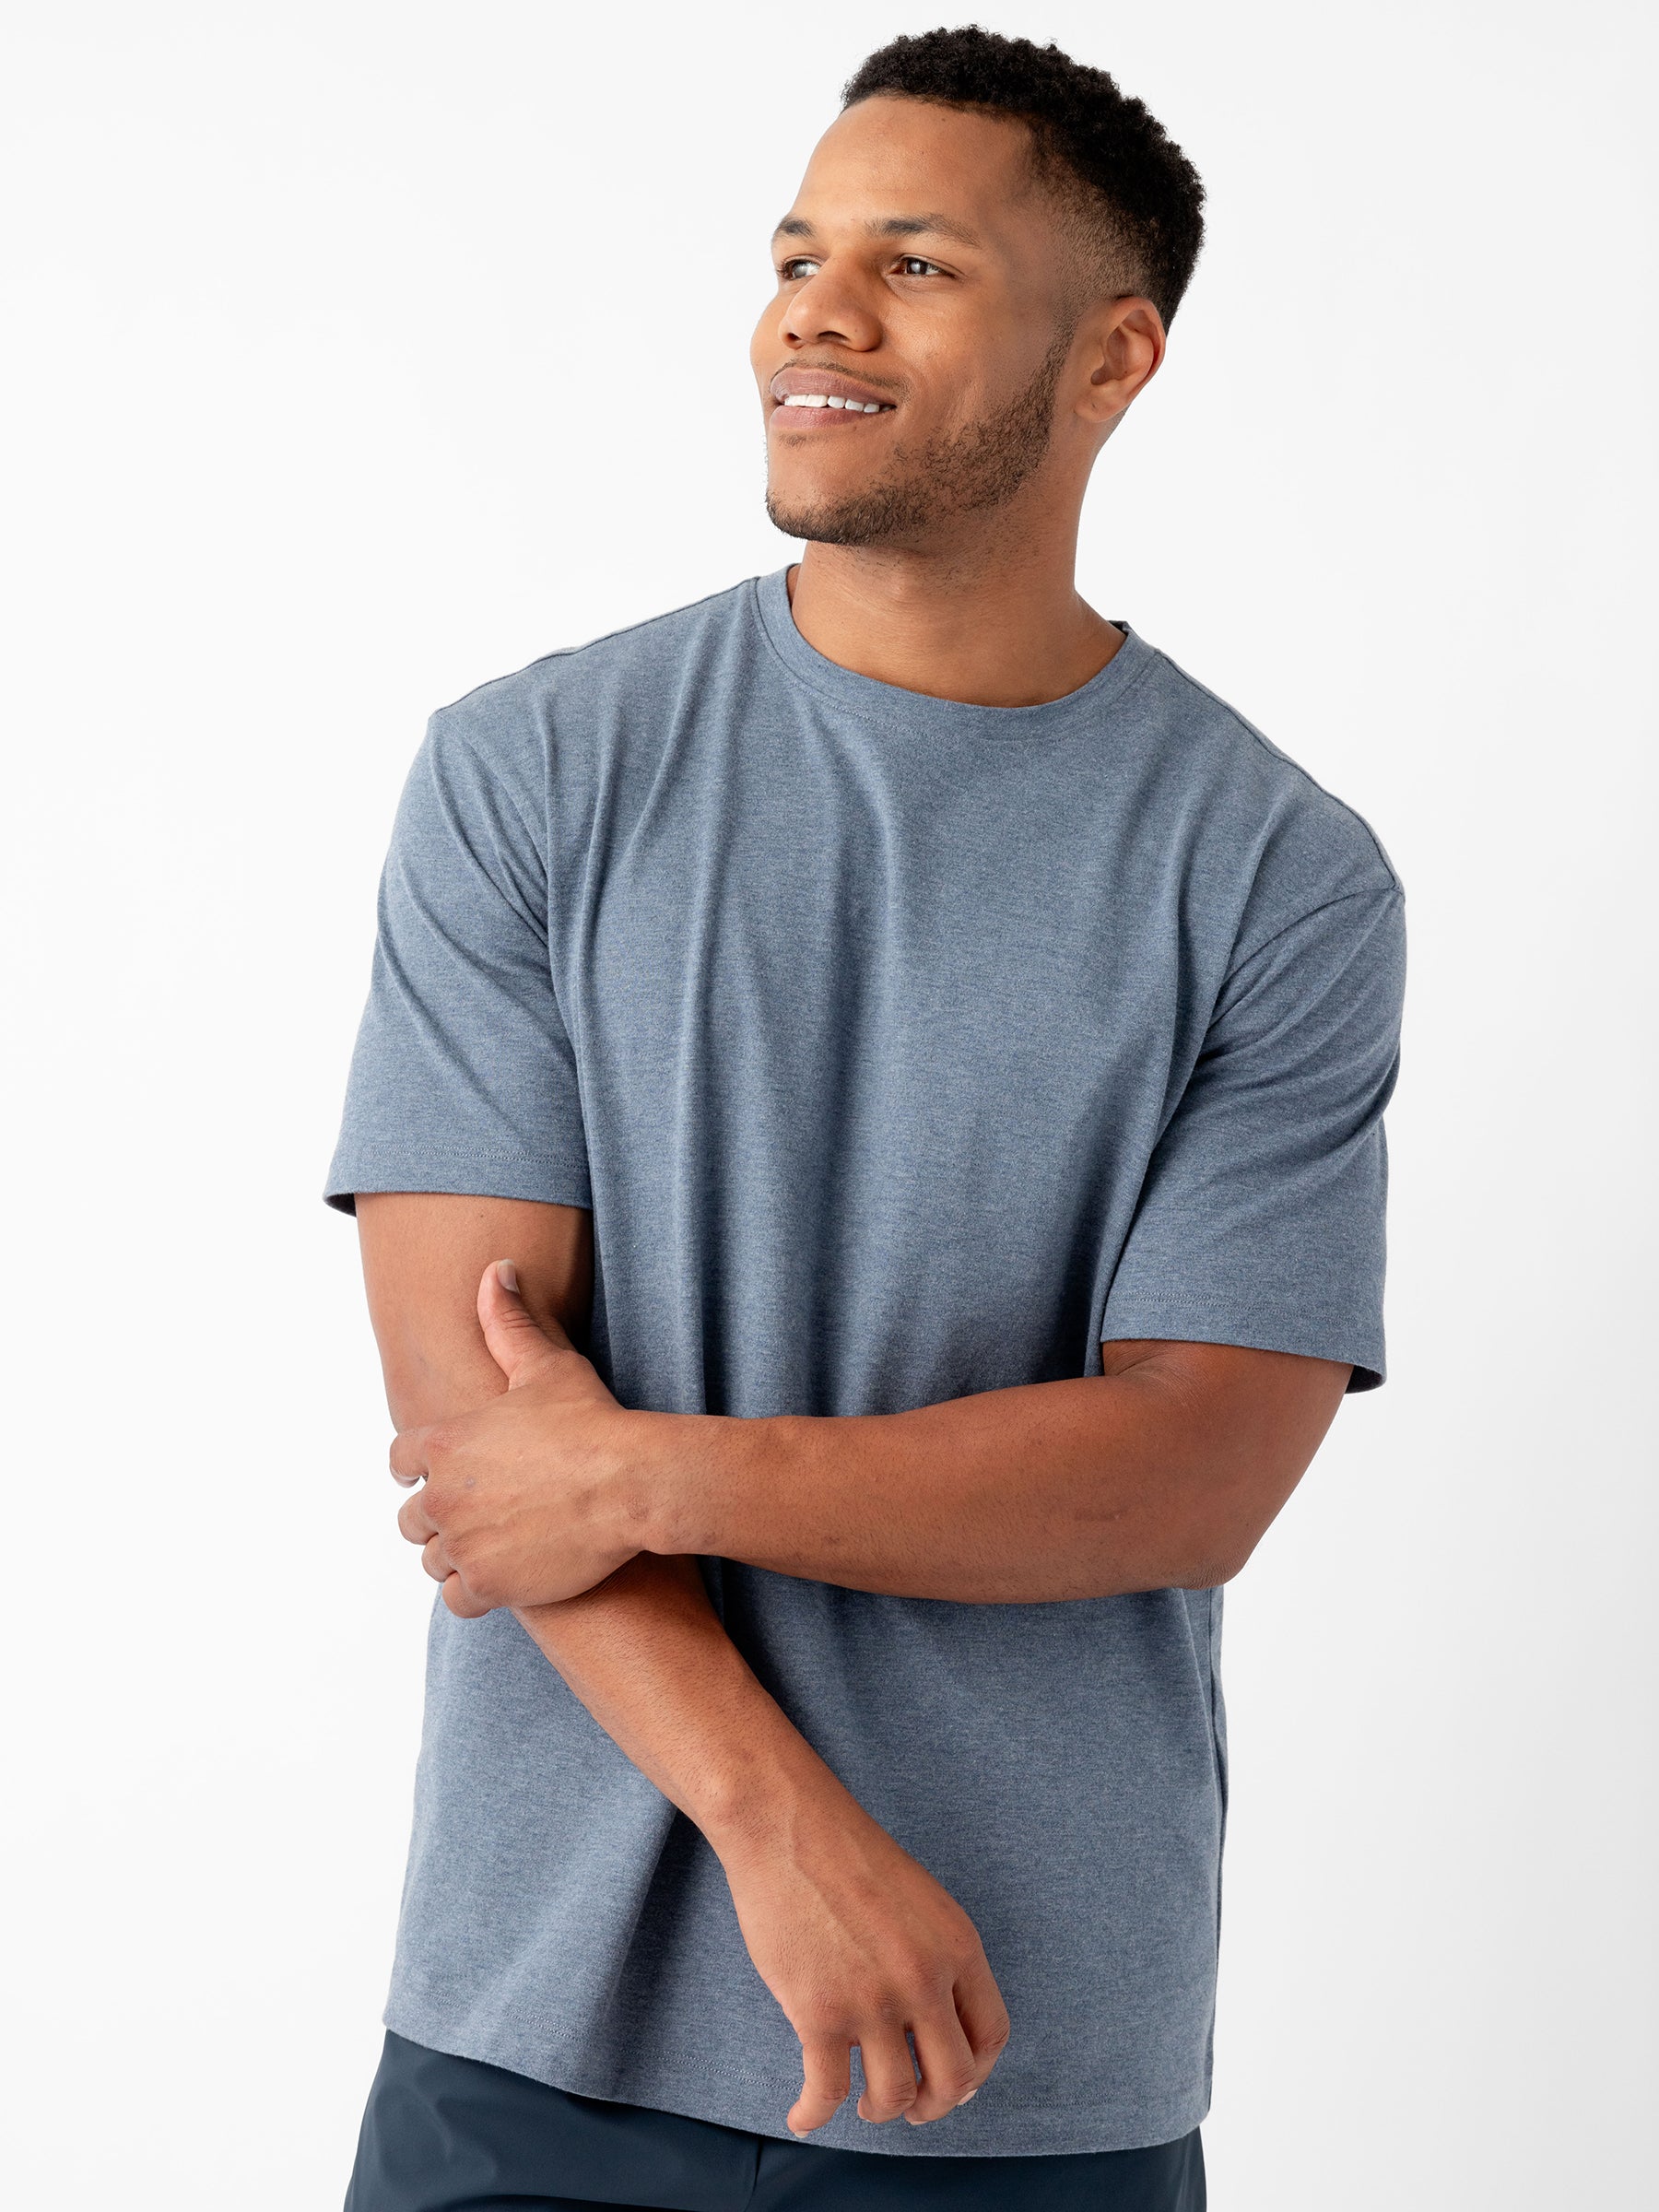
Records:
x=980, y=466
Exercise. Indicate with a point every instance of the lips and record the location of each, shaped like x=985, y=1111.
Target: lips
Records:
x=811, y=399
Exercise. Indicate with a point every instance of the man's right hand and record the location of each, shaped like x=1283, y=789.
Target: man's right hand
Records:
x=858, y=1943
x=855, y=1940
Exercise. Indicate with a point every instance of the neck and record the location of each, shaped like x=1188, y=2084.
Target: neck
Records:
x=996, y=622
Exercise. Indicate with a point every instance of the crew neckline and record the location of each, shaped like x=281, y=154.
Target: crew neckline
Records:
x=892, y=704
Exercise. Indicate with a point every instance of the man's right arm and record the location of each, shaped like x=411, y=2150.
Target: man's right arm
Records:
x=854, y=1939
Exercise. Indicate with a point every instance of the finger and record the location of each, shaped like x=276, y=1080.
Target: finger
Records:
x=889, y=2074
x=951, y=2074
x=520, y=1345
x=984, y=2017
x=408, y=1456
x=436, y=1560
x=414, y=1524
x=826, y=2079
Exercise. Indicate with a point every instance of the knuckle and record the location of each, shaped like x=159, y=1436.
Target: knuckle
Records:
x=919, y=1982
x=889, y=2108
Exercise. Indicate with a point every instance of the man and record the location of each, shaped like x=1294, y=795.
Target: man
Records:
x=928, y=1054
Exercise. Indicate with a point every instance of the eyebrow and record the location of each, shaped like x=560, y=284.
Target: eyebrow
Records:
x=891, y=225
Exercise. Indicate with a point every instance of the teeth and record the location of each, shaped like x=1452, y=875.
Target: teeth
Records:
x=822, y=399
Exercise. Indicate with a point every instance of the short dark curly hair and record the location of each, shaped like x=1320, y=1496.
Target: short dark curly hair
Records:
x=1135, y=197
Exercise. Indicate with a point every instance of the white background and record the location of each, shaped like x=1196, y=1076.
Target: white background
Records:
x=359, y=353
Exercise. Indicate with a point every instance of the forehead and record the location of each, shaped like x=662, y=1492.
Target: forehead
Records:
x=894, y=158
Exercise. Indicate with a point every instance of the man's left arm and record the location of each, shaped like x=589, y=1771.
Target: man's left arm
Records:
x=1162, y=1472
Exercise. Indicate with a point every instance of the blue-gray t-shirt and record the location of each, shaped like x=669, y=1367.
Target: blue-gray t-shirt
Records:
x=901, y=1049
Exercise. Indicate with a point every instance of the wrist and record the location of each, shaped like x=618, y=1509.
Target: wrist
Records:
x=758, y=1800
x=691, y=1476
x=637, y=1496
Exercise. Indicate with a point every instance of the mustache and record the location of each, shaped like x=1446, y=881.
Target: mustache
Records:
x=884, y=384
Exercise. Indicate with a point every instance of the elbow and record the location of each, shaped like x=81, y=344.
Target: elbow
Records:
x=1211, y=1572
x=1216, y=1555
x=1221, y=1533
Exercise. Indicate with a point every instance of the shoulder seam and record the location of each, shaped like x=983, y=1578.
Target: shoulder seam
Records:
x=1387, y=897
x=1267, y=746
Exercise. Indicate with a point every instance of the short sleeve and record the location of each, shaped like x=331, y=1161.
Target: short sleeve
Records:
x=463, y=1078
x=1260, y=1218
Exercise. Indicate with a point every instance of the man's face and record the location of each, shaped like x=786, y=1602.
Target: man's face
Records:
x=919, y=277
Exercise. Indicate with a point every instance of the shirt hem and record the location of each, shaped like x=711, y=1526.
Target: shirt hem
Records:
x=742, y=2099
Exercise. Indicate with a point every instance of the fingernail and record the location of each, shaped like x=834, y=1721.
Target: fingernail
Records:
x=507, y=1274
x=968, y=2100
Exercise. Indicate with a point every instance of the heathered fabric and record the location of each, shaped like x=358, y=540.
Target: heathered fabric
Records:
x=902, y=1049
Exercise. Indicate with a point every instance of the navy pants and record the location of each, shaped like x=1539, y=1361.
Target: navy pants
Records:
x=449, y=2135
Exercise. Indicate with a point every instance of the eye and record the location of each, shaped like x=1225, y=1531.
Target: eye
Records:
x=913, y=265
x=793, y=271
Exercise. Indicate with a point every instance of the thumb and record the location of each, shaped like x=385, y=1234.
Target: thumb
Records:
x=518, y=1344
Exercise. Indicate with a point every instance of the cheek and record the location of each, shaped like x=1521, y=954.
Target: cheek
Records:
x=766, y=354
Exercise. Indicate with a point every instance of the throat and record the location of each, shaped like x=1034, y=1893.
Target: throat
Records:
x=990, y=646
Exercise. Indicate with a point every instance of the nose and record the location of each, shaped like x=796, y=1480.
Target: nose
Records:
x=831, y=308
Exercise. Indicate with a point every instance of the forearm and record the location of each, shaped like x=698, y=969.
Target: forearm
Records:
x=646, y=1653
x=1163, y=1471
x=1085, y=1487
x=1021, y=1495
x=857, y=1942
x=500, y=1418
x=643, y=1650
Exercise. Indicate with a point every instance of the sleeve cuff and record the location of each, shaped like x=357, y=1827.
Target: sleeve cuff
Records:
x=1185, y=1322
x=547, y=1179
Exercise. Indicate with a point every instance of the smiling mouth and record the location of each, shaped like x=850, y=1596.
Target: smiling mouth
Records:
x=827, y=402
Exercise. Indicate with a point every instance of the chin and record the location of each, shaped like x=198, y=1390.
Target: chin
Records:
x=850, y=515
x=803, y=487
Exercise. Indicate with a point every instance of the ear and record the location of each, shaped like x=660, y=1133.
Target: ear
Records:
x=1125, y=341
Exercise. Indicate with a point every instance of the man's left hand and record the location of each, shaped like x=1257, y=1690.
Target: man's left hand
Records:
x=525, y=1500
